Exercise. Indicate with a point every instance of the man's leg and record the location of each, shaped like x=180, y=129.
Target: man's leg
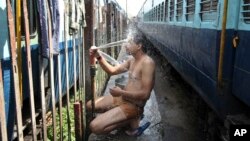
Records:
x=135, y=123
x=108, y=121
x=102, y=104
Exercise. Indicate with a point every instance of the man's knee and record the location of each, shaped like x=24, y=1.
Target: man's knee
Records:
x=89, y=105
x=96, y=128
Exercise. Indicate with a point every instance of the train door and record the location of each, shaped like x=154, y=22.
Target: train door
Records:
x=241, y=76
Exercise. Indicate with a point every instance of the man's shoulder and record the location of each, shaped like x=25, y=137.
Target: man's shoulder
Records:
x=148, y=61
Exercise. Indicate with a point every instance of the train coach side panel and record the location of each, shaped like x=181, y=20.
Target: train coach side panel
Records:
x=194, y=54
x=241, y=77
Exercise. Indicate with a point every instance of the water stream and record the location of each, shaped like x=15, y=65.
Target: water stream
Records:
x=109, y=58
x=112, y=44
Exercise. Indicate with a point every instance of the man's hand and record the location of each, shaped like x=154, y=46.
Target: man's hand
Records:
x=116, y=91
x=93, y=51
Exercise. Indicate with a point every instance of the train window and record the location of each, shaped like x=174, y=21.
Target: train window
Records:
x=179, y=10
x=171, y=12
x=159, y=13
x=208, y=10
x=190, y=10
x=166, y=10
x=145, y=17
x=162, y=11
x=32, y=18
x=155, y=14
x=246, y=11
x=151, y=15
x=148, y=16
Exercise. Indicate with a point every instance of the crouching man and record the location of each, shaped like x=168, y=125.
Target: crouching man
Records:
x=124, y=107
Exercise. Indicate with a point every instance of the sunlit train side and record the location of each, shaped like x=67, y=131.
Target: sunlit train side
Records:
x=70, y=28
x=189, y=34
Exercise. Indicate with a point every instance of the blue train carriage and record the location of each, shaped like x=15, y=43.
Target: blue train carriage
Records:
x=73, y=39
x=188, y=34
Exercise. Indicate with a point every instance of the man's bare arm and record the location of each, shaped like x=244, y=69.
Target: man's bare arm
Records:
x=113, y=70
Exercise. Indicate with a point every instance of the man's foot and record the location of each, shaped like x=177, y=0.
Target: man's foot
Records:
x=138, y=131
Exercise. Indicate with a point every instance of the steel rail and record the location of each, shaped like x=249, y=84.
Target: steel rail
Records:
x=15, y=71
x=29, y=65
x=51, y=66
x=66, y=26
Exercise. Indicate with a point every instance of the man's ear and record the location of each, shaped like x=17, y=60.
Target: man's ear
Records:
x=139, y=46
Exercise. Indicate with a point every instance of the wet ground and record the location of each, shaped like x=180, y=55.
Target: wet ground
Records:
x=172, y=109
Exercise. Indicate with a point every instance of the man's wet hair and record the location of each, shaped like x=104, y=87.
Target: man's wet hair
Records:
x=138, y=38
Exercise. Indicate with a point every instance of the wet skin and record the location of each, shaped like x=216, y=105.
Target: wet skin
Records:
x=141, y=70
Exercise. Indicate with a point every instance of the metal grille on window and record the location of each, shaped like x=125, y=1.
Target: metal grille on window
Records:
x=171, y=8
x=149, y=15
x=152, y=15
x=190, y=10
x=145, y=16
x=166, y=10
x=179, y=10
x=208, y=10
x=162, y=11
x=246, y=11
x=155, y=13
x=154, y=19
x=159, y=12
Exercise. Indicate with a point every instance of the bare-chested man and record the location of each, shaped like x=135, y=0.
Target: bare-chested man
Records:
x=124, y=107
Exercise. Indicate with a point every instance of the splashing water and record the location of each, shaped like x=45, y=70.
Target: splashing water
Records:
x=109, y=58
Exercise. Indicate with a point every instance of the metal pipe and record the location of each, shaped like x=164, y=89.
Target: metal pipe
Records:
x=15, y=78
x=222, y=44
x=66, y=26
x=74, y=65
x=60, y=95
x=43, y=101
x=92, y=75
x=19, y=48
x=29, y=65
x=51, y=67
x=78, y=121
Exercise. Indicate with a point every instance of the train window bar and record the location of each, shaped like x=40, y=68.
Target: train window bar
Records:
x=171, y=12
x=162, y=11
x=245, y=13
x=179, y=10
x=208, y=10
x=159, y=13
x=190, y=10
x=155, y=14
x=166, y=11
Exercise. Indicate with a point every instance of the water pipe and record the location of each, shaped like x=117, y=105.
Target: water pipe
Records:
x=222, y=44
